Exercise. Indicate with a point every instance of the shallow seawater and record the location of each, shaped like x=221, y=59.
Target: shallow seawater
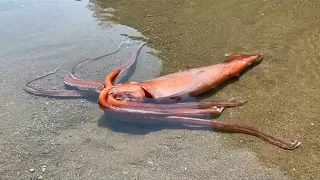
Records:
x=36, y=37
x=65, y=135
x=282, y=91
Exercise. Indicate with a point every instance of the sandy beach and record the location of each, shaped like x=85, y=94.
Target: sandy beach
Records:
x=47, y=138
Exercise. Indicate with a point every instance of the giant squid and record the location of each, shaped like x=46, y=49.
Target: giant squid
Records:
x=164, y=100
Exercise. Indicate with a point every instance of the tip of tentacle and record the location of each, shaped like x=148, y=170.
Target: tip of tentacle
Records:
x=295, y=144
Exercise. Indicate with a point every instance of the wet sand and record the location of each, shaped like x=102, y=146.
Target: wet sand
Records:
x=282, y=91
x=73, y=139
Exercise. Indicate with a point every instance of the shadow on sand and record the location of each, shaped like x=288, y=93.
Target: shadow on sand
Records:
x=117, y=125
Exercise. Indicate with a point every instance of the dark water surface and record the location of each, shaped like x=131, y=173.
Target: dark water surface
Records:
x=283, y=91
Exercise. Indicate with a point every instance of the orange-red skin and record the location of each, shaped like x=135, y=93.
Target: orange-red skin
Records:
x=189, y=83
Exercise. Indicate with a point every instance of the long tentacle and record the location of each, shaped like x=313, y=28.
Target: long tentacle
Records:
x=73, y=93
x=53, y=93
x=71, y=80
x=238, y=128
x=143, y=116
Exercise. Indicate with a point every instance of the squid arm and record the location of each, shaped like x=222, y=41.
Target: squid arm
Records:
x=176, y=117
